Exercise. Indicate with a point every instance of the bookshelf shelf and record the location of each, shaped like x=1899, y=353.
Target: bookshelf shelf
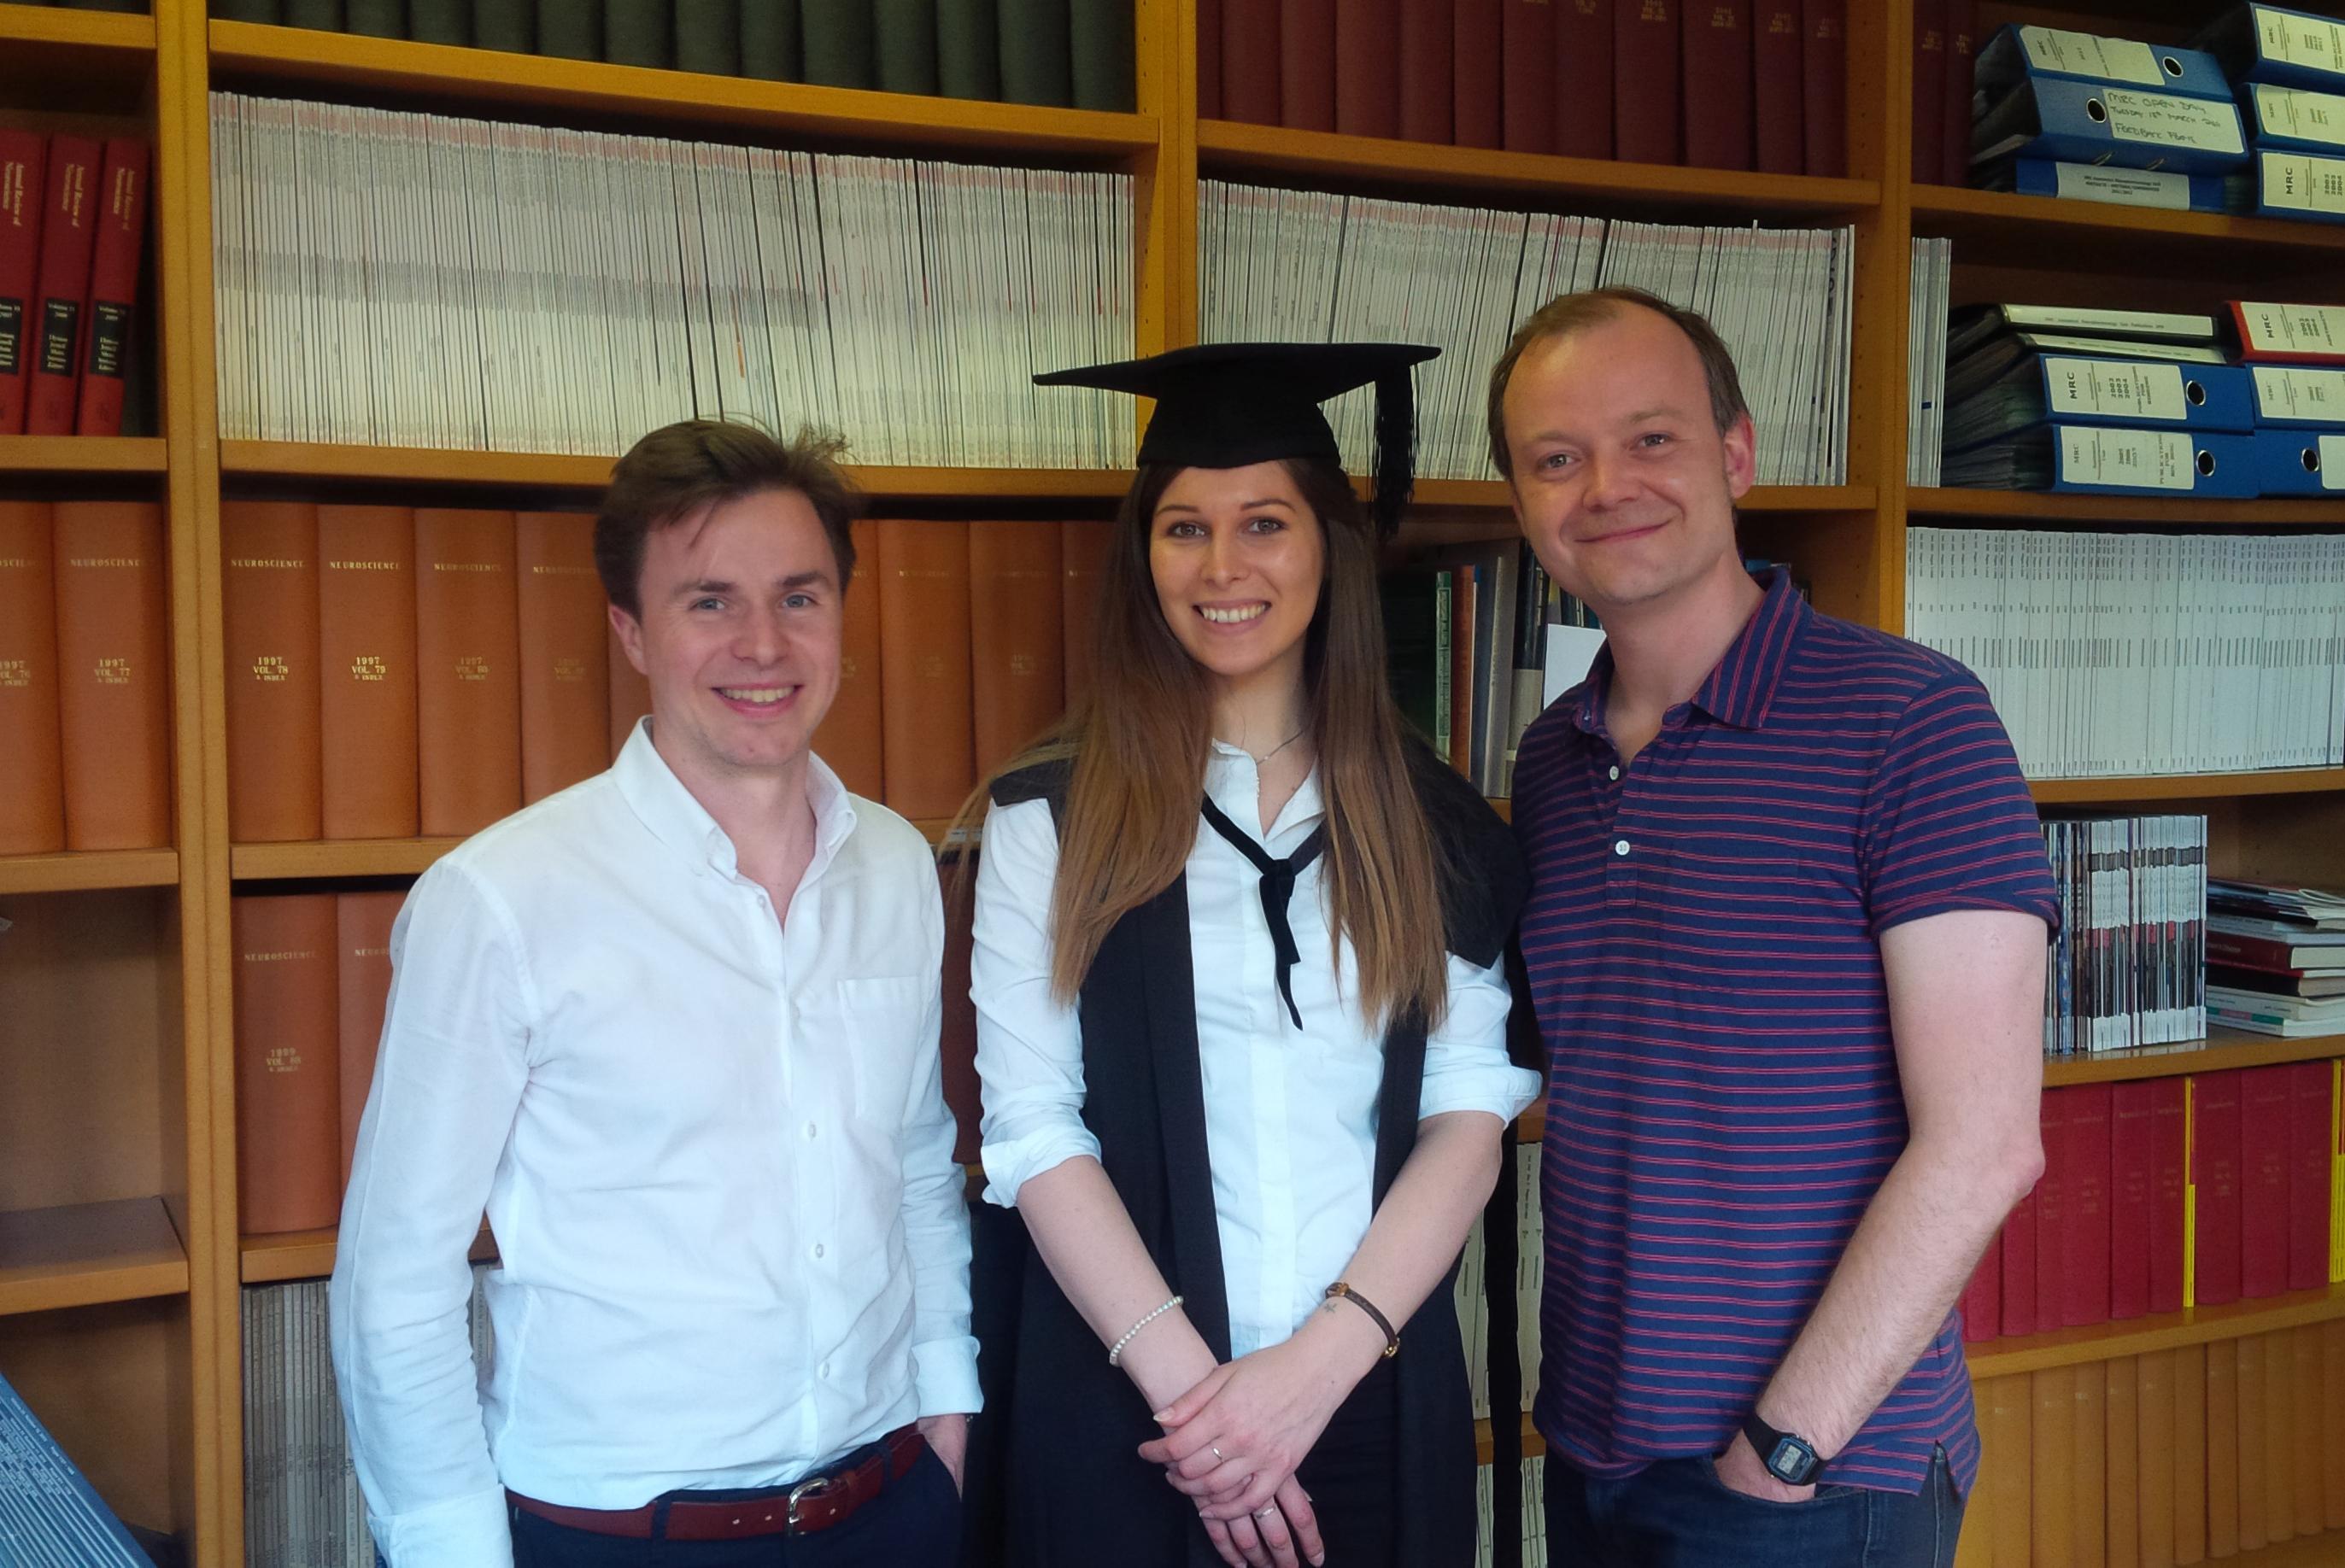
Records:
x=2006, y=221
x=2222, y=1050
x=95, y=32
x=2045, y=506
x=1226, y=147
x=31, y=455
x=300, y=59
x=81, y=871
x=2187, y=786
x=82, y=1254
x=1533, y=1443
x=335, y=857
x=1443, y=494
x=310, y=1255
x=2161, y=1332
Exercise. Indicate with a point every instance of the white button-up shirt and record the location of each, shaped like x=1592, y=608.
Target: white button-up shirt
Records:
x=1290, y=1114
x=713, y=1146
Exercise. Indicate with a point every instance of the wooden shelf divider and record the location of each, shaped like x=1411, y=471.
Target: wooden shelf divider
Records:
x=2185, y=786
x=123, y=32
x=1961, y=213
x=82, y=1254
x=2065, y=506
x=2160, y=1332
x=26, y=456
x=2221, y=1050
x=337, y=858
x=76, y=871
x=310, y=1255
x=1533, y=1443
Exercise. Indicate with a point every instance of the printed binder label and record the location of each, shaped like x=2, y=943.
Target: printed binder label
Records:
x=2300, y=116
x=2292, y=328
x=2283, y=393
x=2332, y=463
x=2124, y=388
x=2164, y=120
x=2084, y=55
x=2293, y=38
x=2133, y=187
x=2150, y=460
x=2300, y=183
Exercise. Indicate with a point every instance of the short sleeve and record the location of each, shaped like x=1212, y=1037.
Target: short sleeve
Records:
x=1949, y=823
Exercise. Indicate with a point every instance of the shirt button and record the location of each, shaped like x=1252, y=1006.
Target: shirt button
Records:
x=818, y=1249
x=823, y=1371
x=1620, y=846
x=810, y=1130
x=1613, y=772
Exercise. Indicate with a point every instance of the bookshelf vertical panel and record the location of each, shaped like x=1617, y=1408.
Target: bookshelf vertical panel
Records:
x=1865, y=579
x=1166, y=188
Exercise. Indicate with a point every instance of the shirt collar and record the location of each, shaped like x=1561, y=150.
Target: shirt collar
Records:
x=1235, y=782
x=677, y=819
x=1741, y=687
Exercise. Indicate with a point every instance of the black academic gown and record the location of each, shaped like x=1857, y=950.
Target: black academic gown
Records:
x=1076, y=1494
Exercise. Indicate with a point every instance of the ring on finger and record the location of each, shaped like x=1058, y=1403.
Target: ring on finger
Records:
x=1215, y=1449
x=1265, y=1510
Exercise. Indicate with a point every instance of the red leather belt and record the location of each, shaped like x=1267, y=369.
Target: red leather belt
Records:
x=815, y=1503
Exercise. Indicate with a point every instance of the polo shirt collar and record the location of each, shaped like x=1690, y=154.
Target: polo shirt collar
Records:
x=1741, y=687
x=678, y=820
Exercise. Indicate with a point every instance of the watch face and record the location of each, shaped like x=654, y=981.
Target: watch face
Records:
x=1792, y=1461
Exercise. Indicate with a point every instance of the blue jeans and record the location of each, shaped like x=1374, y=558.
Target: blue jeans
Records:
x=1677, y=1513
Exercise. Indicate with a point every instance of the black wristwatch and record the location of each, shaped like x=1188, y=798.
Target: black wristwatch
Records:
x=1789, y=1459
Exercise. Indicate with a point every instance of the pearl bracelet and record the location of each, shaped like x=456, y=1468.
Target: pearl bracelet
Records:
x=1117, y=1352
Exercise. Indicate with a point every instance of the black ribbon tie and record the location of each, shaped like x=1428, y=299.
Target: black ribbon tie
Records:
x=1278, y=878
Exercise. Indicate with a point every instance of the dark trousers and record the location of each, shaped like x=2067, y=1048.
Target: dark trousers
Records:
x=915, y=1523
x=1677, y=1513
x=1353, y=1475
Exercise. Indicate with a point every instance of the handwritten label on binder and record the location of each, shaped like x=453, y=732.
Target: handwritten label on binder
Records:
x=2300, y=116
x=2283, y=393
x=2121, y=388
x=2294, y=182
x=2133, y=187
x=2084, y=55
x=2161, y=119
x=2152, y=460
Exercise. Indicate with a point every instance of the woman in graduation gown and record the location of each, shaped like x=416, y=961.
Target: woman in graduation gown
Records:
x=1241, y=1013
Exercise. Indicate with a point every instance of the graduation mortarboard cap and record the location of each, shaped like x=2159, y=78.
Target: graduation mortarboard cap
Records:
x=1231, y=405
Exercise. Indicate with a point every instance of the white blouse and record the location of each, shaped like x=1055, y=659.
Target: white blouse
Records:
x=1290, y=1115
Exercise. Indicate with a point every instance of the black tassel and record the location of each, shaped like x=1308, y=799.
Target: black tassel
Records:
x=1395, y=448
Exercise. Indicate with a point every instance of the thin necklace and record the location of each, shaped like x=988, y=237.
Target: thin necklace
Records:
x=1263, y=760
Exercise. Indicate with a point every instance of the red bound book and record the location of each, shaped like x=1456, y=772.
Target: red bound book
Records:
x=1982, y=1302
x=2215, y=1180
x=1823, y=86
x=113, y=286
x=1583, y=78
x=1718, y=84
x=1367, y=70
x=1425, y=66
x=1962, y=50
x=1645, y=54
x=1307, y=64
x=1929, y=90
x=2085, y=1286
x=2264, y=1114
x=362, y=923
x=68, y=231
x=2133, y=1161
x=2018, y=1247
x=2308, y=1181
x=1209, y=59
x=1527, y=76
x=24, y=164
x=1250, y=61
x=1777, y=71
x=1474, y=81
x=2169, y=1196
x=2052, y=1198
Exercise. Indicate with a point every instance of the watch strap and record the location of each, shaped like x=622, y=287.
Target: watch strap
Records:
x=1767, y=1442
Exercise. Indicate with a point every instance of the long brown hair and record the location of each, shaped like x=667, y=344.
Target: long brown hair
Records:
x=1140, y=737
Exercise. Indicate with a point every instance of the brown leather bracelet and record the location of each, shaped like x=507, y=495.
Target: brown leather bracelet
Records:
x=1392, y=1339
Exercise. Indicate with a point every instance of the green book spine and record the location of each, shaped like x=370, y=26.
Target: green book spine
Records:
x=769, y=40
x=1035, y=67
x=252, y=11
x=441, y=22
x=1099, y=41
x=570, y=29
x=638, y=33
x=325, y=16
x=840, y=48
x=708, y=37
x=969, y=50
x=510, y=25
x=908, y=46
x=376, y=18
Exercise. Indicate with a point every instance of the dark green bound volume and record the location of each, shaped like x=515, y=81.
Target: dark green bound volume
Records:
x=1035, y=67
x=324, y=15
x=908, y=46
x=638, y=33
x=441, y=22
x=969, y=50
x=769, y=40
x=507, y=25
x=376, y=18
x=840, y=49
x=1100, y=39
x=249, y=11
x=708, y=37
x=570, y=29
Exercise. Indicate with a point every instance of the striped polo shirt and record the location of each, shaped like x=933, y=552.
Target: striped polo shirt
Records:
x=1702, y=941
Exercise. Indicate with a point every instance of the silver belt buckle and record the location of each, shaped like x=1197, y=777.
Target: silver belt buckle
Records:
x=814, y=1487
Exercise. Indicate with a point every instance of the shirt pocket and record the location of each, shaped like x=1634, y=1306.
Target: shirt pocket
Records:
x=877, y=1024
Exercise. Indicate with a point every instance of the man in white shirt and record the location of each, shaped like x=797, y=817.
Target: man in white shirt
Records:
x=676, y=1029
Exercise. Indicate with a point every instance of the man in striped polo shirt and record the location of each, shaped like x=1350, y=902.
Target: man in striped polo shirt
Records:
x=1786, y=944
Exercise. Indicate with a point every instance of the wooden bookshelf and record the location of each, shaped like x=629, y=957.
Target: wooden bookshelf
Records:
x=2221, y=1050
x=2185, y=786
x=2159, y=1331
x=79, y=870
x=2006, y=220
x=86, y=1254
x=2047, y=506
x=62, y=35
x=29, y=456
x=1533, y=1443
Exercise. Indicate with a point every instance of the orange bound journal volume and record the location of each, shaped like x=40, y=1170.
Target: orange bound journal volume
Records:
x=32, y=782
x=366, y=662
x=849, y=736
x=924, y=674
x=565, y=668
x=287, y=1096
x=362, y=923
x=113, y=674
x=468, y=681
x=1083, y=549
x=268, y=616
x=1017, y=647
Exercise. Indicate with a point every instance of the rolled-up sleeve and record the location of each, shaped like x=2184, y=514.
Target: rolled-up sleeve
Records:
x=1466, y=1065
x=1029, y=1048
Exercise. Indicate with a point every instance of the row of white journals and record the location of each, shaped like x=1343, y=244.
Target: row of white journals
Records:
x=2114, y=654
x=1534, y=1513
x=1474, y=1306
x=1928, y=286
x=393, y=279
x=1289, y=264
x=303, y=1508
